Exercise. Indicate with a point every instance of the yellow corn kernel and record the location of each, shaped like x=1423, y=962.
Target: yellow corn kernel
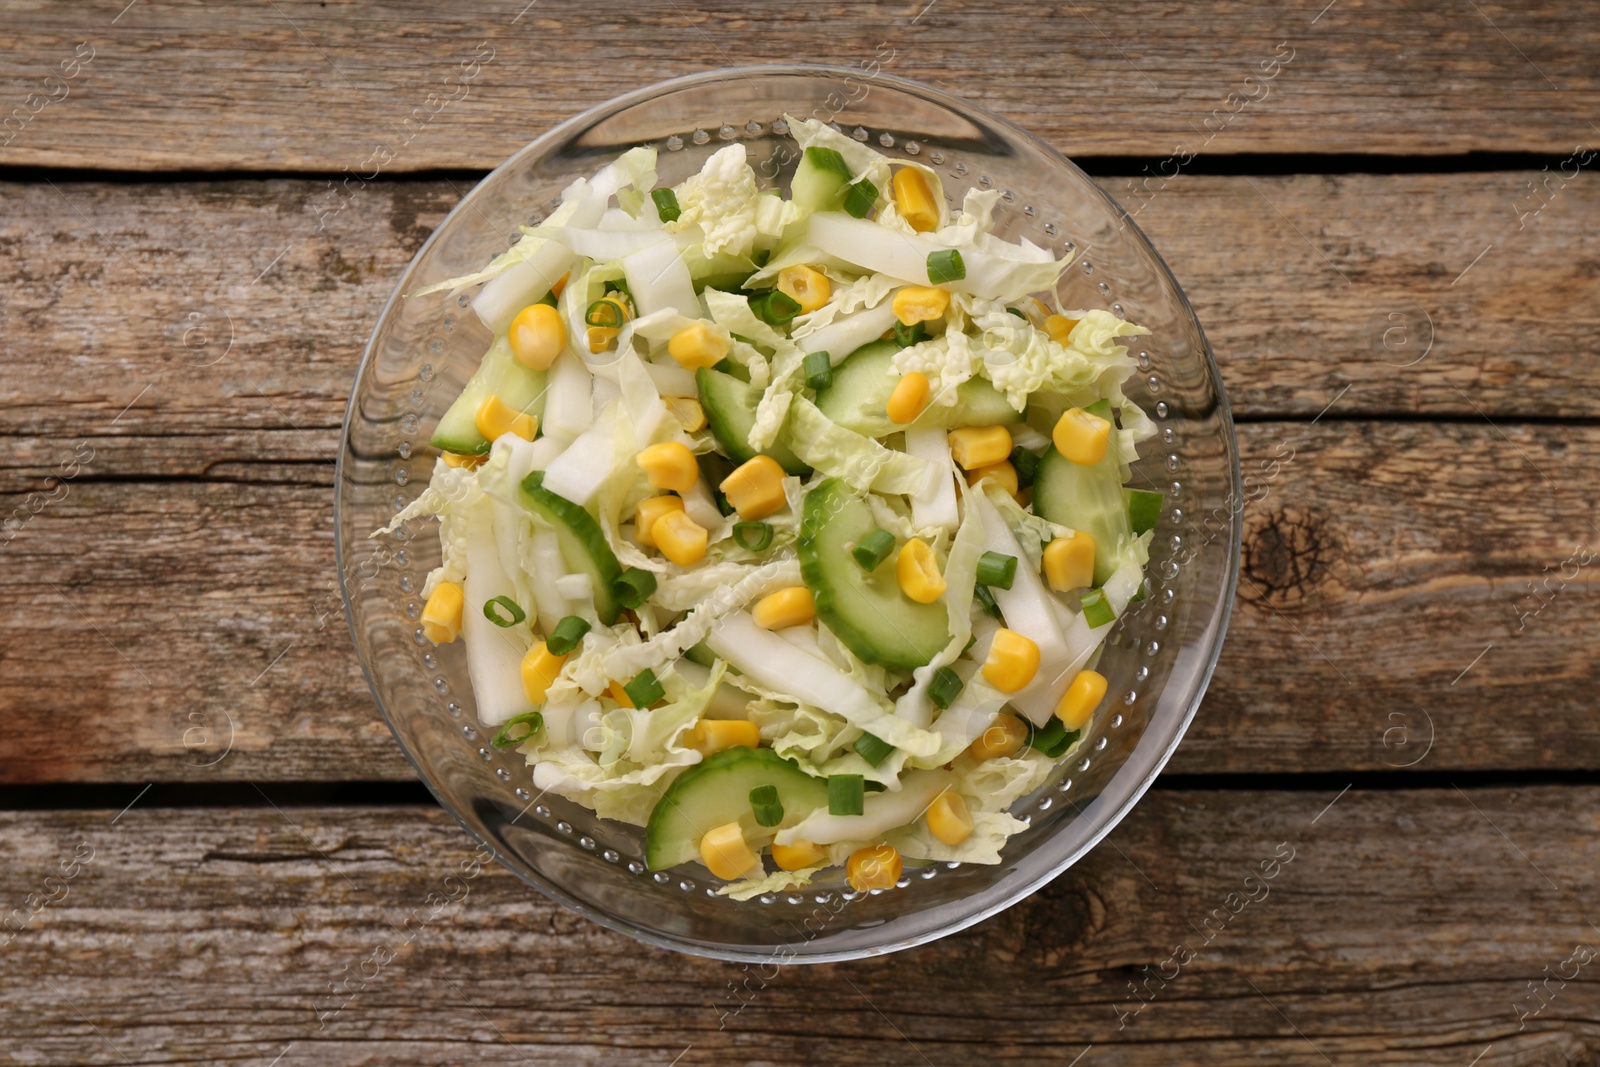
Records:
x=876, y=867
x=698, y=345
x=709, y=736
x=948, y=818
x=1002, y=474
x=1083, y=695
x=451, y=459
x=914, y=199
x=615, y=691
x=1004, y=737
x=537, y=336
x=726, y=854
x=495, y=417
x=755, y=489
x=980, y=446
x=1013, y=661
x=441, y=616
x=918, y=572
x=540, y=668
x=920, y=303
x=680, y=538
x=1069, y=561
x=601, y=336
x=670, y=465
x=806, y=287
x=910, y=396
x=649, y=510
x=798, y=855
x=787, y=607
x=687, y=410
x=1081, y=437
x=1059, y=327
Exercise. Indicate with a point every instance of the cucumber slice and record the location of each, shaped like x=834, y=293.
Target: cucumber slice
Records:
x=819, y=181
x=715, y=792
x=583, y=546
x=730, y=407
x=862, y=384
x=1087, y=498
x=499, y=373
x=868, y=612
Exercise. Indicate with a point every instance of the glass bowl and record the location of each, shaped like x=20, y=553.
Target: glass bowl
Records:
x=1158, y=660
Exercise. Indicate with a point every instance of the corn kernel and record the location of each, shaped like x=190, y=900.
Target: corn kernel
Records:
x=980, y=446
x=1083, y=695
x=451, y=459
x=670, y=465
x=698, y=345
x=806, y=287
x=601, y=336
x=726, y=854
x=537, y=336
x=920, y=303
x=616, y=692
x=441, y=617
x=649, y=510
x=877, y=867
x=540, y=668
x=798, y=855
x=1081, y=437
x=1004, y=737
x=1059, y=327
x=910, y=396
x=755, y=489
x=1002, y=474
x=914, y=199
x=1069, y=561
x=787, y=607
x=687, y=410
x=948, y=818
x=1013, y=661
x=495, y=417
x=680, y=538
x=709, y=736
x=918, y=572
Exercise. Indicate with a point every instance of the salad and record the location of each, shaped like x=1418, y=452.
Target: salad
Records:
x=787, y=528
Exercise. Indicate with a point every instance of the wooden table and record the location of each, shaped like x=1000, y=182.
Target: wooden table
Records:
x=212, y=844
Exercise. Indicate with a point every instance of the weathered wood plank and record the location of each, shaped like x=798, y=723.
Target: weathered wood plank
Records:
x=318, y=86
x=213, y=325
x=1380, y=560
x=1394, y=928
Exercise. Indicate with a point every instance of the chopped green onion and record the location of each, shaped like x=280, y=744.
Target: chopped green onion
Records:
x=775, y=308
x=846, y=795
x=1096, y=609
x=725, y=366
x=550, y=299
x=945, y=266
x=859, y=198
x=968, y=646
x=1100, y=409
x=644, y=690
x=761, y=257
x=906, y=336
x=986, y=598
x=818, y=369
x=605, y=313
x=765, y=803
x=873, y=749
x=565, y=637
x=753, y=536
x=666, y=204
x=1019, y=313
x=634, y=587
x=1026, y=465
x=828, y=159
x=997, y=569
x=701, y=654
x=1053, y=738
x=873, y=787
x=513, y=613
x=722, y=502
x=533, y=720
x=945, y=687
x=1144, y=509
x=873, y=549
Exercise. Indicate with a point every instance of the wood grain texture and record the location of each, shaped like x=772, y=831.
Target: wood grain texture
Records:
x=314, y=86
x=1380, y=560
x=1396, y=928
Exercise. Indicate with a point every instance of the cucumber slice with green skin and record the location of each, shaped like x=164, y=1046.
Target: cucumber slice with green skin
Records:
x=583, y=546
x=820, y=180
x=521, y=388
x=1087, y=498
x=715, y=792
x=868, y=612
x=862, y=384
x=730, y=407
